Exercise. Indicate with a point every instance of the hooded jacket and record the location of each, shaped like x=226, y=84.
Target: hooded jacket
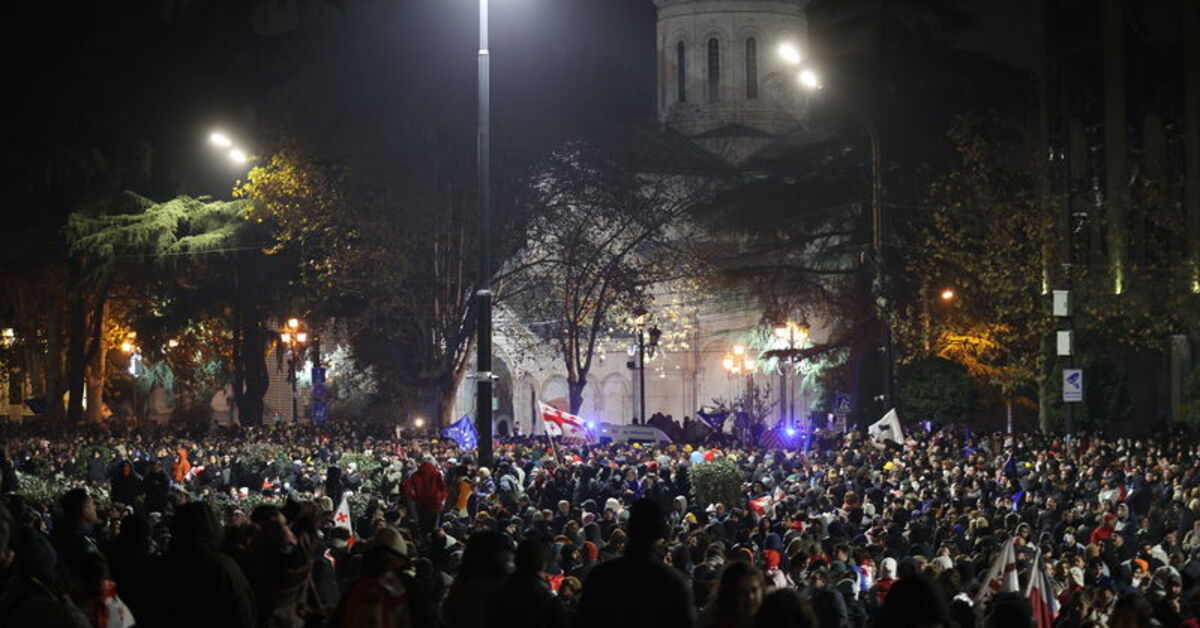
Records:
x=426, y=488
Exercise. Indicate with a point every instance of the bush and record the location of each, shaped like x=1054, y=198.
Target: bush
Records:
x=934, y=389
x=718, y=481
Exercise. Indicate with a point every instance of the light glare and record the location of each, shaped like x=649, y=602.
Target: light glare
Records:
x=237, y=156
x=809, y=79
x=790, y=53
x=220, y=140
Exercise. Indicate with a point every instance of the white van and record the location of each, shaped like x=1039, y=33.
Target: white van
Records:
x=613, y=433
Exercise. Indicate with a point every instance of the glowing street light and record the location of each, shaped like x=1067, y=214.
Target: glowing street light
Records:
x=948, y=294
x=790, y=53
x=419, y=422
x=220, y=140
x=238, y=156
x=127, y=347
x=809, y=79
x=293, y=323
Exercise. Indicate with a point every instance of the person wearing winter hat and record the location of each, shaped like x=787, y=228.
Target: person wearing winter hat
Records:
x=887, y=578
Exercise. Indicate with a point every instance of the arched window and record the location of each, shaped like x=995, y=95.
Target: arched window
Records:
x=681, y=71
x=751, y=68
x=714, y=70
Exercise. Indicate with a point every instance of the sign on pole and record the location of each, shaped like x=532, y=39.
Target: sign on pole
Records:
x=841, y=406
x=1072, y=385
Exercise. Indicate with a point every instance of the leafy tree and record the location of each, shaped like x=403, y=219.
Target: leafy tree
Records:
x=934, y=389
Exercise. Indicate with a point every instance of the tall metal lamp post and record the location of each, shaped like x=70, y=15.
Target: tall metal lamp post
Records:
x=647, y=343
x=483, y=294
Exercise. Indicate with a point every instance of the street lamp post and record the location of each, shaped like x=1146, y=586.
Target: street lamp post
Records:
x=737, y=362
x=810, y=80
x=644, y=346
x=795, y=336
x=483, y=295
x=294, y=337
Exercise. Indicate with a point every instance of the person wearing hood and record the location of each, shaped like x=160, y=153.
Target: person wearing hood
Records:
x=179, y=470
x=126, y=485
x=426, y=490
x=32, y=598
x=525, y=599
x=199, y=585
x=156, y=486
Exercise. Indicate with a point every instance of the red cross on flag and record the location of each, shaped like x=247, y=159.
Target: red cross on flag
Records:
x=341, y=518
x=567, y=427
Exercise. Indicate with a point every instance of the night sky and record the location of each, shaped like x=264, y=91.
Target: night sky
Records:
x=137, y=86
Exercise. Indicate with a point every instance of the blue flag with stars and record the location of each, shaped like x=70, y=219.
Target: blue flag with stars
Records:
x=462, y=432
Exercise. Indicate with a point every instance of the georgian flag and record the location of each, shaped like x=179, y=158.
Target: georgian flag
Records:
x=567, y=427
x=341, y=517
x=1040, y=595
x=1001, y=577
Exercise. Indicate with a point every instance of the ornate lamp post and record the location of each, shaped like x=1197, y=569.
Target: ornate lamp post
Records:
x=294, y=338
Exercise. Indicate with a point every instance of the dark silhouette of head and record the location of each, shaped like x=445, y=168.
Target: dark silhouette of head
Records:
x=646, y=525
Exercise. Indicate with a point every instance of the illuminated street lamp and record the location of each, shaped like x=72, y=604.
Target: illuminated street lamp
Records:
x=738, y=362
x=222, y=141
x=794, y=336
x=948, y=294
x=294, y=338
x=645, y=343
x=810, y=80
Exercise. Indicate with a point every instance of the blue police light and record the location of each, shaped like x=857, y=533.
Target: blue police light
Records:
x=791, y=431
x=591, y=425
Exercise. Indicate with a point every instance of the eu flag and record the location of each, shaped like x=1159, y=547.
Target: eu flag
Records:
x=462, y=432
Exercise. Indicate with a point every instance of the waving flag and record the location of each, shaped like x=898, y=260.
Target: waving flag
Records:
x=1040, y=595
x=887, y=428
x=462, y=432
x=715, y=420
x=568, y=427
x=341, y=517
x=1001, y=577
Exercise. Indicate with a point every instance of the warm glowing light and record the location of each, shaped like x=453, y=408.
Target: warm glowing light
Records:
x=948, y=294
x=238, y=156
x=790, y=53
x=419, y=422
x=809, y=79
x=781, y=332
x=293, y=323
x=219, y=139
x=127, y=347
x=172, y=343
x=739, y=350
x=728, y=362
x=302, y=337
x=285, y=337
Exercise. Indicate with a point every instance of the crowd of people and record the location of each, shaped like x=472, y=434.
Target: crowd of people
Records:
x=297, y=527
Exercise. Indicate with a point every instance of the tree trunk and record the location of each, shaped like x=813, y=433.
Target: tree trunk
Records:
x=53, y=362
x=250, y=379
x=76, y=340
x=575, y=394
x=1191, y=129
x=97, y=365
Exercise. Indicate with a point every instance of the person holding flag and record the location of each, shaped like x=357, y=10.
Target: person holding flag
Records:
x=568, y=427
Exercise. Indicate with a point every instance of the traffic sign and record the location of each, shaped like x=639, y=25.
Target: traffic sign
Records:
x=1072, y=385
x=318, y=374
x=841, y=406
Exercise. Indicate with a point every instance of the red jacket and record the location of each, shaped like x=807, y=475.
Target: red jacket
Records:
x=426, y=488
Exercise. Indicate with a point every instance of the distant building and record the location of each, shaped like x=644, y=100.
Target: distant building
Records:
x=723, y=86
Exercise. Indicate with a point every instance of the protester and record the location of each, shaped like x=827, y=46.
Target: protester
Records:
x=860, y=532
